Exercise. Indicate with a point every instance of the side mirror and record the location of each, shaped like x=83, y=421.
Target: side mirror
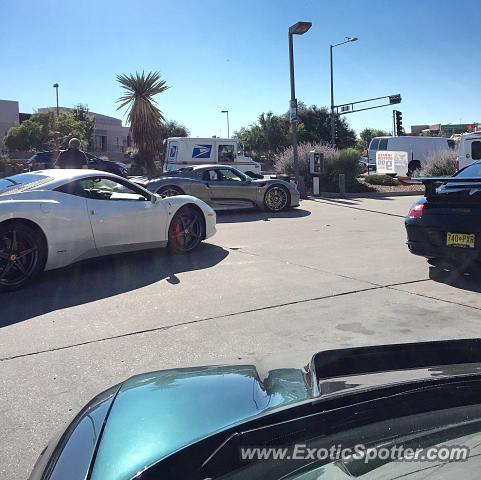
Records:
x=154, y=199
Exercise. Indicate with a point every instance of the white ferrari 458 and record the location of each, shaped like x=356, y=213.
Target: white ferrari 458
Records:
x=52, y=218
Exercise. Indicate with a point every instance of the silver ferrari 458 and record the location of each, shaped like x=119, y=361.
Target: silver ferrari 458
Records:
x=224, y=187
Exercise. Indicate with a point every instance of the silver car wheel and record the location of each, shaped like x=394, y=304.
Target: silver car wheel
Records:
x=276, y=198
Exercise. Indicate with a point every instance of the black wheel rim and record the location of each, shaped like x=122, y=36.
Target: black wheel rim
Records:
x=18, y=257
x=276, y=199
x=187, y=230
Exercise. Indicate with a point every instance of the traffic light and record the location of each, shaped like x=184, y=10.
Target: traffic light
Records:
x=394, y=98
x=399, y=123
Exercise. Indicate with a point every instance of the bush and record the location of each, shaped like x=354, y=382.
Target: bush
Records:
x=440, y=164
x=284, y=161
x=381, y=180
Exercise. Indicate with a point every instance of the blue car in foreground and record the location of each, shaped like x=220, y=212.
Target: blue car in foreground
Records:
x=221, y=422
x=45, y=160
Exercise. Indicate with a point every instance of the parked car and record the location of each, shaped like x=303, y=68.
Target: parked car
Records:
x=209, y=422
x=444, y=226
x=52, y=218
x=46, y=159
x=224, y=187
x=364, y=162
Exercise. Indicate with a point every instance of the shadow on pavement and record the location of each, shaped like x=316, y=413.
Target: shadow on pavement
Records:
x=101, y=278
x=255, y=215
x=455, y=278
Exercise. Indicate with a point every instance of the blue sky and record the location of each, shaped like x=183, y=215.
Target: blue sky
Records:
x=232, y=54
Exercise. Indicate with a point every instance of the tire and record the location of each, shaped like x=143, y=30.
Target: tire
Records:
x=413, y=167
x=18, y=268
x=277, y=198
x=186, y=230
x=169, y=191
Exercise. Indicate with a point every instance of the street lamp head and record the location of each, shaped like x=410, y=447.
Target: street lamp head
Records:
x=299, y=28
x=55, y=85
x=224, y=111
x=351, y=39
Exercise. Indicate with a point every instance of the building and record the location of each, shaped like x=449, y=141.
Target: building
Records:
x=444, y=130
x=9, y=116
x=109, y=136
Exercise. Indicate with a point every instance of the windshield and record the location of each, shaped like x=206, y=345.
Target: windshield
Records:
x=241, y=184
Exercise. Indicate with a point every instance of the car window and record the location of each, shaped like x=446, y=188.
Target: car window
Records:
x=374, y=144
x=476, y=150
x=383, y=144
x=209, y=175
x=471, y=171
x=101, y=188
x=451, y=144
x=227, y=175
x=226, y=153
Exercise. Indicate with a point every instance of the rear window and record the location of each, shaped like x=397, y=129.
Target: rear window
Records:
x=471, y=171
x=22, y=182
x=374, y=144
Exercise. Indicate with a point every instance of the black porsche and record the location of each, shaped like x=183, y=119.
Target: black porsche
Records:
x=445, y=225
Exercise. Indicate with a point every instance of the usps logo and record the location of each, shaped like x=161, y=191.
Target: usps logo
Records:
x=173, y=151
x=201, y=151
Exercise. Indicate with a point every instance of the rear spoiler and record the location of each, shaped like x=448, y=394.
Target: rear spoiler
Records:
x=362, y=360
x=431, y=183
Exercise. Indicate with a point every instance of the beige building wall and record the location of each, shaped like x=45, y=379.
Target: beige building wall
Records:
x=9, y=116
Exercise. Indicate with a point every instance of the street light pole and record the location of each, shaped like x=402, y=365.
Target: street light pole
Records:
x=333, y=117
x=55, y=85
x=297, y=29
x=228, y=127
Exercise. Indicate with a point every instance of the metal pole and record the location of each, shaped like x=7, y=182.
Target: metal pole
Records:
x=56, y=89
x=228, y=129
x=333, y=119
x=293, y=105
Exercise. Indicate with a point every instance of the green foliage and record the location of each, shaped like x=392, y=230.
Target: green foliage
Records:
x=82, y=114
x=143, y=115
x=347, y=163
x=270, y=135
x=381, y=180
x=171, y=128
x=46, y=131
x=366, y=136
x=440, y=164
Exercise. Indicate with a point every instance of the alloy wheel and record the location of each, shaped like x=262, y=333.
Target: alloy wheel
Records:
x=18, y=257
x=276, y=198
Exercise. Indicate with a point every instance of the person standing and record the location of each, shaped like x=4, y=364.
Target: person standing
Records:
x=73, y=157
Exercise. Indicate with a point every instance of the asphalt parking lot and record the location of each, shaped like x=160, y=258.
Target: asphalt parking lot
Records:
x=267, y=289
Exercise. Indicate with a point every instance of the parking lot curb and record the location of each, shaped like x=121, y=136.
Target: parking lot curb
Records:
x=366, y=194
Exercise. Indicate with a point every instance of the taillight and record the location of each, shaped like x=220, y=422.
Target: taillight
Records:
x=417, y=210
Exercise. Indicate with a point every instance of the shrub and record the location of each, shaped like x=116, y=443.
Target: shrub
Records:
x=381, y=180
x=284, y=161
x=440, y=164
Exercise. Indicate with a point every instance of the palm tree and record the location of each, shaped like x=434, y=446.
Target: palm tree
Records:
x=144, y=116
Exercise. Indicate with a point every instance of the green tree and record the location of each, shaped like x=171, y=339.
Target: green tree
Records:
x=366, y=136
x=46, y=130
x=271, y=133
x=82, y=114
x=143, y=115
x=171, y=128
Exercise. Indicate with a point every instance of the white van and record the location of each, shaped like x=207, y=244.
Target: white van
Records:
x=184, y=151
x=417, y=148
x=469, y=149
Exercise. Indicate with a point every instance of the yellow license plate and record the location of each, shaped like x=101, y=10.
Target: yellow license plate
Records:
x=463, y=240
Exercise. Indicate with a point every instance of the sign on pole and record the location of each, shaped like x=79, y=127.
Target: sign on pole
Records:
x=391, y=162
